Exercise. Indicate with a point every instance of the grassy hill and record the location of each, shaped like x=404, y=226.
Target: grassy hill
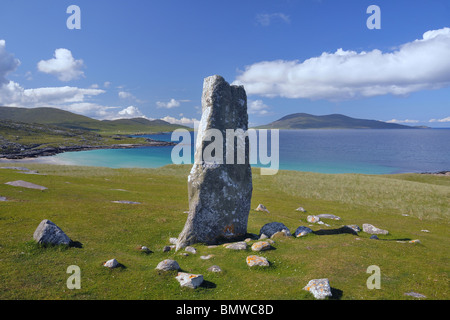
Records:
x=79, y=200
x=332, y=121
x=71, y=120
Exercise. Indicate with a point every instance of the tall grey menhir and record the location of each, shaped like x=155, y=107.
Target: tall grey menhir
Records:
x=219, y=191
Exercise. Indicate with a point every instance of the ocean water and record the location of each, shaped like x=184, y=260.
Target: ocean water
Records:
x=378, y=151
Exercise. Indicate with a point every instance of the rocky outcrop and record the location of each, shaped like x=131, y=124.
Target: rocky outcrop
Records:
x=49, y=233
x=219, y=191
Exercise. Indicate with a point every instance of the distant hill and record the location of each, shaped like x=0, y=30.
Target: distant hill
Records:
x=332, y=121
x=66, y=119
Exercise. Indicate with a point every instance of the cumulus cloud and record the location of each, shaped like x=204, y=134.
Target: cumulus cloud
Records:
x=440, y=120
x=7, y=63
x=265, y=19
x=402, y=121
x=183, y=120
x=171, y=104
x=131, y=112
x=422, y=64
x=62, y=65
x=257, y=107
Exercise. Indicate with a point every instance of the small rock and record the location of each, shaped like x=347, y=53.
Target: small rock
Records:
x=302, y=231
x=168, y=248
x=328, y=216
x=167, y=265
x=416, y=241
x=269, y=229
x=368, y=228
x=425, y=230
x=242, y=245
x=313, y=219
x=301, y=209
x=190, y=249
x=215, y=268
x=189, y=280
x=3, y=199
x=212, y=246
x=414, y=294
x=283, y=233
x=126, y=202
x=173, y=241
x=374, y=237
x=24, y=184
x=49, y=233
x=263, y=237
x=111, y=264
x=320, y=288
x=257, y=261
x=261, y=246
x=262, y=207
x=209, y=256
x=353, y=227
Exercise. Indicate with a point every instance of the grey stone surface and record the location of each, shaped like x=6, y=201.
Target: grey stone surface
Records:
x=214, y=268
x=253, y=261
x=414, y=294
x=328, y=216
x=353, y=227
x=261, y=246
x=219, y=192
x=167, y=265
x=301, y=209
x=269, y=229
x=320, y=288
x=241, y=245
x=113, y=263
x=49, y=233
x=25, y=184
x=262, y=207
x=368, y=228
x=189, y=280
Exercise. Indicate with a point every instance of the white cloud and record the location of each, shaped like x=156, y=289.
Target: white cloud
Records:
x=107, y=84
x=7, y=63
x=63, y=65
x=257, y=107
x=402, y=121
x=171, y=104
x=418, y=65
x=131, y=112
x=440, y=120
x=265, y=19
x=125, y=95
x=183, y=120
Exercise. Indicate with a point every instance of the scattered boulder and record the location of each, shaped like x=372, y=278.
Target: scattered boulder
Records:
x=214, y=268
x=261, y=246
x=168, y=265
x=262, y=207
x=242, y=245
x=320, y=288
x=3, y=199
x=312, y=219
x=190, y=249
x=126, y=202
x=49, y=233
x=368, y=228
x=168, y=248
x=113, y=263
x=219, y=192
x=328, y=216
x=281, y=234
x=25, y=184
x=416, y=241
x=353, y=227
x=189, y=280
x=253, y=261
x=414, y=294
x=374, y=237
x=302, y=231
x=209, y=256
x=144, y=249
x=269, y=229
x=173, y=241
x=301, y=209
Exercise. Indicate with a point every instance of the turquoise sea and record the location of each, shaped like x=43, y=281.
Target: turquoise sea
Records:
x=378, y=151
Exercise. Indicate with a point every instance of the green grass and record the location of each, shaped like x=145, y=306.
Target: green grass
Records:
x=78, y=200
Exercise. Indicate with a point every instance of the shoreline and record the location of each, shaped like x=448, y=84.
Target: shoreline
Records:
x=51, y=151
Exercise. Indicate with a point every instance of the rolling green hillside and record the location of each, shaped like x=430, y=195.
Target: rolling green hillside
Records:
x=71, y=120
x=332, y=121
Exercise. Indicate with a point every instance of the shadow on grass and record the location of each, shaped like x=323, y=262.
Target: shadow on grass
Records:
x=75, y=244
x=336, y=294
x=208, y=284
x=324, y=232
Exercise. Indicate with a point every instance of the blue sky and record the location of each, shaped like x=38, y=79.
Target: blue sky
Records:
x=149, y=58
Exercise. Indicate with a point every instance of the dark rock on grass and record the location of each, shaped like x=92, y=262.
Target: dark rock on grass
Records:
x=302, y=231
x=49, y=233
x=269, y=229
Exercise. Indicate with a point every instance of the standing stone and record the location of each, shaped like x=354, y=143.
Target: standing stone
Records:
x=219, y=191
x=49, y=233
